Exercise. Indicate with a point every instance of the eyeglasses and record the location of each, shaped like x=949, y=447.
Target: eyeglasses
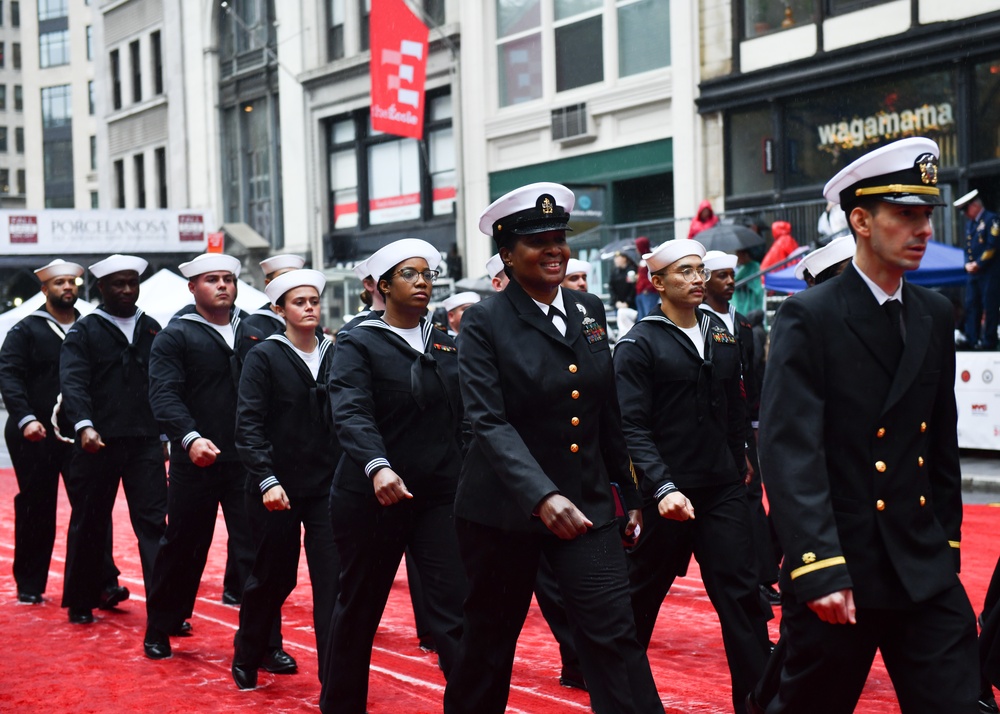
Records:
x=688, y=273
x=409, y=275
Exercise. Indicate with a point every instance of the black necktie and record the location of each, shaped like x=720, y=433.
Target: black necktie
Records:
x=893, y=311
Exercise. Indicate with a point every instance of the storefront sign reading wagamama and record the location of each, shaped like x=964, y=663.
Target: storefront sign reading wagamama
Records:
x=67, y=232
x=862, y=131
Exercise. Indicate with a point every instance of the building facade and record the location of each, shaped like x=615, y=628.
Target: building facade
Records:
x=13, y=173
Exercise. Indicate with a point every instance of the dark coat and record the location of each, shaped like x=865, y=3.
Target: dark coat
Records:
x=29, y=370
x=544, y=412
x=194, y=379
x=283, y=430
x=104, y=379
x=393, y=407
x=684, y=417
x=265, y=320
x=860, y=456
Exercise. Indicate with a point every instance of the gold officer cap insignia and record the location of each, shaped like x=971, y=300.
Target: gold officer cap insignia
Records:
x=928, y=165
x=547, y=206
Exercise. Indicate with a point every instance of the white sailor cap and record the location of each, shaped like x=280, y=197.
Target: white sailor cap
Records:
x=294, y=278
x=117, y=263
x=903, y=172
x=361, y=270
x=534, y=208
x=672, y=251
x=966, y=199
x=396, y=252
x=59, y=267
x=494, y=265
x=718, y=260
x=573, y=266
x=210, y=263
x=282, y=262
x=837, y=250
x=459, y=299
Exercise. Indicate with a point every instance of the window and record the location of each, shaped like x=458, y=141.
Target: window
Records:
x=90, y=42
x=15, y=14
x=986, y=112
x=160, y=156
x=3, y=97
x=91, y=98
x=17, y=54
x=3, y=140
x=94, y=202
x=18, y=98
x=751, y=134
x=2, y=55
x=51, y=9
x=519, y=50
x=56, y=107
x=336, y=11
x=434, y=11
x=377, y=179
x=5, y=187
x=643, y=36
x=93, y=153
x=133, y=50
x=839, y=7
x=157, y=57
x=19, y=139
x=366, y=12
x=579, y=53
x=58, y=162
x=139, y=164
x=116, y=80
x=120, y=183
x=53, y=49
x=764, y=16
x=1, y=14
x=22, y=184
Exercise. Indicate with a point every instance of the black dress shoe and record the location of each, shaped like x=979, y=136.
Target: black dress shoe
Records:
x=428, y=645
x=182, y=630
x=277, y=661
x=244, y=676
x=572, y=679
x=987, y=703
x=81, y=615
x=229, y=599
x=112, y=596
x=29, y=598
x=156, y=644
x=772, y=596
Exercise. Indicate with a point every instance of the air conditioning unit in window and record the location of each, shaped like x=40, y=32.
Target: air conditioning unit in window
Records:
x=571, y=125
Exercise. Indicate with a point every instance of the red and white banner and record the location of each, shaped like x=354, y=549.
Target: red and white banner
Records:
x=398, y=69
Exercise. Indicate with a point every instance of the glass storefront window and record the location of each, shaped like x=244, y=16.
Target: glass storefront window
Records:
x=643, y=36
x=751, y=136
x=986, y=114
x=828, y=130
x=520, y=70
x=764, y=16
x=393, y=182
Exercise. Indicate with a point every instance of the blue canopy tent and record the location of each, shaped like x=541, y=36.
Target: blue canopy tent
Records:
x=942, y=265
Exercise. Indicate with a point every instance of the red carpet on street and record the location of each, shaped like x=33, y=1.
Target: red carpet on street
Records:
x=50, y=665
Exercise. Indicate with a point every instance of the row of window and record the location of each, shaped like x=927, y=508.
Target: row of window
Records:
x=18, y=98
x=761, y=17
x=18, y=189
x=15, y=48
x=136, y=65
x=18, y=140
x=139, y=177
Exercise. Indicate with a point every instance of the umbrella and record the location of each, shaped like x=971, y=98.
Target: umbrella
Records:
x=728, y=238
x=625, y=246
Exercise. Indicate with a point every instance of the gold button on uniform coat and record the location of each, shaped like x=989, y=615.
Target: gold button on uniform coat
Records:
x=880, y=466
x=880, y=505
x=881, y=432
x=572, y=368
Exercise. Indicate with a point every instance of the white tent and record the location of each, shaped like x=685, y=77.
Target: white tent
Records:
x=160, y=296
x=163, y=294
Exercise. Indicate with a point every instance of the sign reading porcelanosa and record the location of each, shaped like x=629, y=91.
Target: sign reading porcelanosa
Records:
x=65, y=232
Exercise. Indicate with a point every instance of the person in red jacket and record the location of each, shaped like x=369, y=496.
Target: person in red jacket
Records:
x=783, y=244
x=705, y=219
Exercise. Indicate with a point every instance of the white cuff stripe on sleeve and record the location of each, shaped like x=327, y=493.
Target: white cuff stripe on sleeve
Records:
x=376, y=464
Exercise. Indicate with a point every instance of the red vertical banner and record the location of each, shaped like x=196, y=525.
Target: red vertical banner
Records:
x=398, y=69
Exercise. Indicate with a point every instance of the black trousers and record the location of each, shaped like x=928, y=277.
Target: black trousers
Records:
x=275, y=571
x=593, y=579
x=371, y=540
x=92, y=486
x=193, y=500
x=37, y=465
x=721, y=538
x=550, y=602
x=764, y=541
x=929, y=650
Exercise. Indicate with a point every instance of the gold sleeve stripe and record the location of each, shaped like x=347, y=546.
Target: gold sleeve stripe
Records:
x=955, y=544
x=818, y=565
x=987, y=254
x=631, y=468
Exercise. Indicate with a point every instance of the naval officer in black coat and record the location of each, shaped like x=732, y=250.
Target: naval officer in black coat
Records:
x=538, y=388
x=859, y=455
